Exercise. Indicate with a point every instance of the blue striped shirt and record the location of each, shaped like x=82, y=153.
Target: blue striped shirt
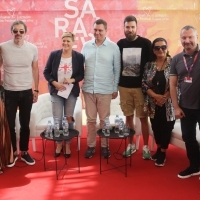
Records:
x=102, y=67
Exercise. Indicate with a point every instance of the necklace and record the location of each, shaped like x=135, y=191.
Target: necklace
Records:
x=160, y=67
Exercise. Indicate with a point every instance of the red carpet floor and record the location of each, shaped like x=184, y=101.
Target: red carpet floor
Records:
x=144, y=181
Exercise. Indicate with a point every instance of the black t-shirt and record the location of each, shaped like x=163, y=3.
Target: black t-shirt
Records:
x=159, y=82
x=134, y=56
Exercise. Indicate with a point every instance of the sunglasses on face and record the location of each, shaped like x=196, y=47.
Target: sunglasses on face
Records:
x=157, y=48
x=18, y=31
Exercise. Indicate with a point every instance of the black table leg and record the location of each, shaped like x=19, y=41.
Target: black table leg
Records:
x=100, y=152
x=56, y=161
x=125, y=159
x=78, y=157
x=44, y=154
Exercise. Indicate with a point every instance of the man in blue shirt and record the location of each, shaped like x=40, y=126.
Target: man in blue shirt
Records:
x=102, y=69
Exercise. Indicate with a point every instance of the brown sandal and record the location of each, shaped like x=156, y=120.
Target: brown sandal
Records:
x=1, y=171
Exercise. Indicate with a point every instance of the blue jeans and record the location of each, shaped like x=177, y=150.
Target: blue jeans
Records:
x=63, y=107
x=23, y=100
x=188, y=128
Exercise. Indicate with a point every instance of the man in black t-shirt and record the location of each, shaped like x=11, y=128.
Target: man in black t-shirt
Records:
x=135, y=53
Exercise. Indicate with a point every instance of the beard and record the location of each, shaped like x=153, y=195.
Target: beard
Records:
x=188, y=46
x=130, y=36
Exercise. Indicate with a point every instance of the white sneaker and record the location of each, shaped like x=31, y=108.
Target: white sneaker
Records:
x=131, y=148
x=146, y=155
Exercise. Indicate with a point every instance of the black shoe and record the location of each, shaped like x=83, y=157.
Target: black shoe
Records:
x=57, y=154
x=67, y=152
x=12, y=164
x=27, y=158
x=160, y=162
x=105, y=152
x=67, y=155
x=90, y=151
x=187, y=173
x=155, y=156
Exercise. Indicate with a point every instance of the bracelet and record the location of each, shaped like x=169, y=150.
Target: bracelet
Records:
x=36, y=91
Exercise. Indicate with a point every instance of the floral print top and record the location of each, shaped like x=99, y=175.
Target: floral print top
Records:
x=149, y=104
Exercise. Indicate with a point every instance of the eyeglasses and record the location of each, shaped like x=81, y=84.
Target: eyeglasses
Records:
x=18, y=31
x=157, y=48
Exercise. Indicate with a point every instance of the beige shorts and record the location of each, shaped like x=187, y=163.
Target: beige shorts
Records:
x=132, y=99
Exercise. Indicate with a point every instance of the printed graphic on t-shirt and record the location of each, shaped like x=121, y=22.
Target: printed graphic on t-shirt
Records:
x=65, y=69
x=131, y=61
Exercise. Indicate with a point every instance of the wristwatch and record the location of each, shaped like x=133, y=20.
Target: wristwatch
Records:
x=36, y=91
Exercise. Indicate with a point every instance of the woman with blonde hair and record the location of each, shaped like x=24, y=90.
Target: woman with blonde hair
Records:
x=64, y=66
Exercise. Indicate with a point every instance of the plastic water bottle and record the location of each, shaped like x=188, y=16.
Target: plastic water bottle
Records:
x=56, y=128
x=117, y=124
x=126, y=130
x=65, y=126
x=51, y=132
x=121, y=127
x=106, y=128
x=48, y=131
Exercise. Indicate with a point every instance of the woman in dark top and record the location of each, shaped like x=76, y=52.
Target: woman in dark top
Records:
x=6, y=152
x=64, y=67
x=158, y=104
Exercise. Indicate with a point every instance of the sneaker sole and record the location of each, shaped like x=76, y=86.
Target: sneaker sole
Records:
x=153, y=159
x=28, y=163
x=146, y=158
x=160, y=165
x=129, y=154
x=13, y=164
x=188, y=176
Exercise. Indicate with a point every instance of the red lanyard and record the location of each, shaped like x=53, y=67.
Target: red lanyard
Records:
x=191, y=66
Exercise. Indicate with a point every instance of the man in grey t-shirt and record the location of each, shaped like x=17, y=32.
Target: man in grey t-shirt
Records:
x=19, y=59
x=185, y=73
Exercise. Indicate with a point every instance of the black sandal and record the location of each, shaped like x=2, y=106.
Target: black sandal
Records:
x=58, y=154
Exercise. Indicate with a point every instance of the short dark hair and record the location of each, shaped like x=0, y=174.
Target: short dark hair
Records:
x=188, y=27
x=153, y=56
x=130, y=18
x=18, y=22
x=101, y=21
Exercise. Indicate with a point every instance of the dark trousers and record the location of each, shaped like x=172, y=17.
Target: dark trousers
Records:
x=23, y=100
x=188, y=127
x=161, y=127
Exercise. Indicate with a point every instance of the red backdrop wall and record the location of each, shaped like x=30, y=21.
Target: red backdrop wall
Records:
x=47, y=19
